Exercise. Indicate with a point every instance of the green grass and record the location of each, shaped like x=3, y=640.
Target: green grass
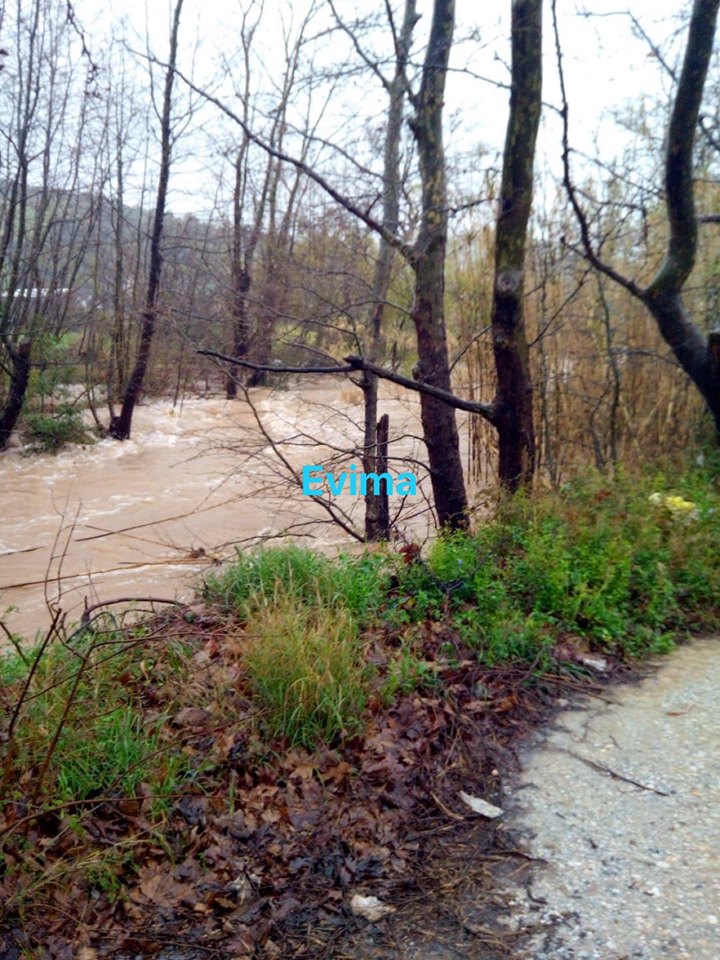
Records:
x=81, y=727
x=275, y=574
x=306, y=669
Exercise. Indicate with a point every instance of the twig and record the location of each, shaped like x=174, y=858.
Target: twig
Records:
x=602, y=768
x=85, y=619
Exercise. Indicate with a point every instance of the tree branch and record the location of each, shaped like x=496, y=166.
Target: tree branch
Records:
x=485, y=410
x=679, y=193
x=403, y=248
x=354, y=364
x=588, y=249
x=273, y=368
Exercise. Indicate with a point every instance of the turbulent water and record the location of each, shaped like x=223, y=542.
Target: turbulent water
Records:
x=144, y=517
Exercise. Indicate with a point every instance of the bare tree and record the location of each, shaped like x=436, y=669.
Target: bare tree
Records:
x=45, y=217
x=377, y=517
x=242, y=250
x=513, y=405
x=427, y=260
x=511, y=412
x=697, y=354
x=121, y=424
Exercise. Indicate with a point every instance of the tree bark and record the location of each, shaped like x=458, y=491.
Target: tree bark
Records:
x=19, y=378
x=377, y=517
x=428, y=263
x=121, y=425
x=663, y=296
x=514, y=398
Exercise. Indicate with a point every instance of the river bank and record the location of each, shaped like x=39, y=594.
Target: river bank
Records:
x=144, y=517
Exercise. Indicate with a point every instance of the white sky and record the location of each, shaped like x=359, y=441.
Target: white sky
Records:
x=607, y=69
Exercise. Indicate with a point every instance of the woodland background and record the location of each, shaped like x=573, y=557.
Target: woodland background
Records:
x=319, y=203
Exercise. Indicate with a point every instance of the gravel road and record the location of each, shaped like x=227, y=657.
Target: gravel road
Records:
x=622, y=801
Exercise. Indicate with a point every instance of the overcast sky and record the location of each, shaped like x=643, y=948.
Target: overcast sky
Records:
x=607, y=69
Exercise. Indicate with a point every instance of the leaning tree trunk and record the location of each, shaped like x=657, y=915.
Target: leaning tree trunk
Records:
x=428, y=262
x=121, y=425
x=514, y=398
x=698, y=356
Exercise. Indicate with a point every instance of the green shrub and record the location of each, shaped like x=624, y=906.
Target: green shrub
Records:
x=599, y=560
x=48, y=433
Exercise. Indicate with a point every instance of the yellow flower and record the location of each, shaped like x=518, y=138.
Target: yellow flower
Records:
x=677, y=507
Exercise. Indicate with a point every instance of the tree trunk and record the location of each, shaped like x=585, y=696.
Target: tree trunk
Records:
x=428, y=262
x=697, y=356
x=242, y=263
x=19, y=378
x=117, y=364
x=377, y=517
x=663, y=297
x=121, y=425
x=514, y=398
x=381, y=466
x=241, y=330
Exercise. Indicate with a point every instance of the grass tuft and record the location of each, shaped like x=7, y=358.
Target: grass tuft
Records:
x=306, y=670
x=275, y=574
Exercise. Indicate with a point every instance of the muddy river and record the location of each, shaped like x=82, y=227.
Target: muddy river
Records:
x=197, y=481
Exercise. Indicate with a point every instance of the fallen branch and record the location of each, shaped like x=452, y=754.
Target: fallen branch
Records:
x=353, y=364
x=602, y=768
x=88, y=611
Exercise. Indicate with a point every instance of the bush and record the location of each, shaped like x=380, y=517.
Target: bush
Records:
x=48, y=433
x=607, y=562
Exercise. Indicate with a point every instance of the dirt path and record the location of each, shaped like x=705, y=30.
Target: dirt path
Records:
x=622, y=799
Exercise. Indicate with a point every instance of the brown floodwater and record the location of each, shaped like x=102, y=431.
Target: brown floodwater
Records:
x=145, y=517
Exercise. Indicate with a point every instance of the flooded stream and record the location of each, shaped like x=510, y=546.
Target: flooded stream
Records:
x=146, y=516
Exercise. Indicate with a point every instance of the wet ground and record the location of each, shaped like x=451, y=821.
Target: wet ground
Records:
x=621, y=799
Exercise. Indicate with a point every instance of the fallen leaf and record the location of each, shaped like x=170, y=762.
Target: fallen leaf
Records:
x=482, y=807
x=369, y=907
x=191, y=717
